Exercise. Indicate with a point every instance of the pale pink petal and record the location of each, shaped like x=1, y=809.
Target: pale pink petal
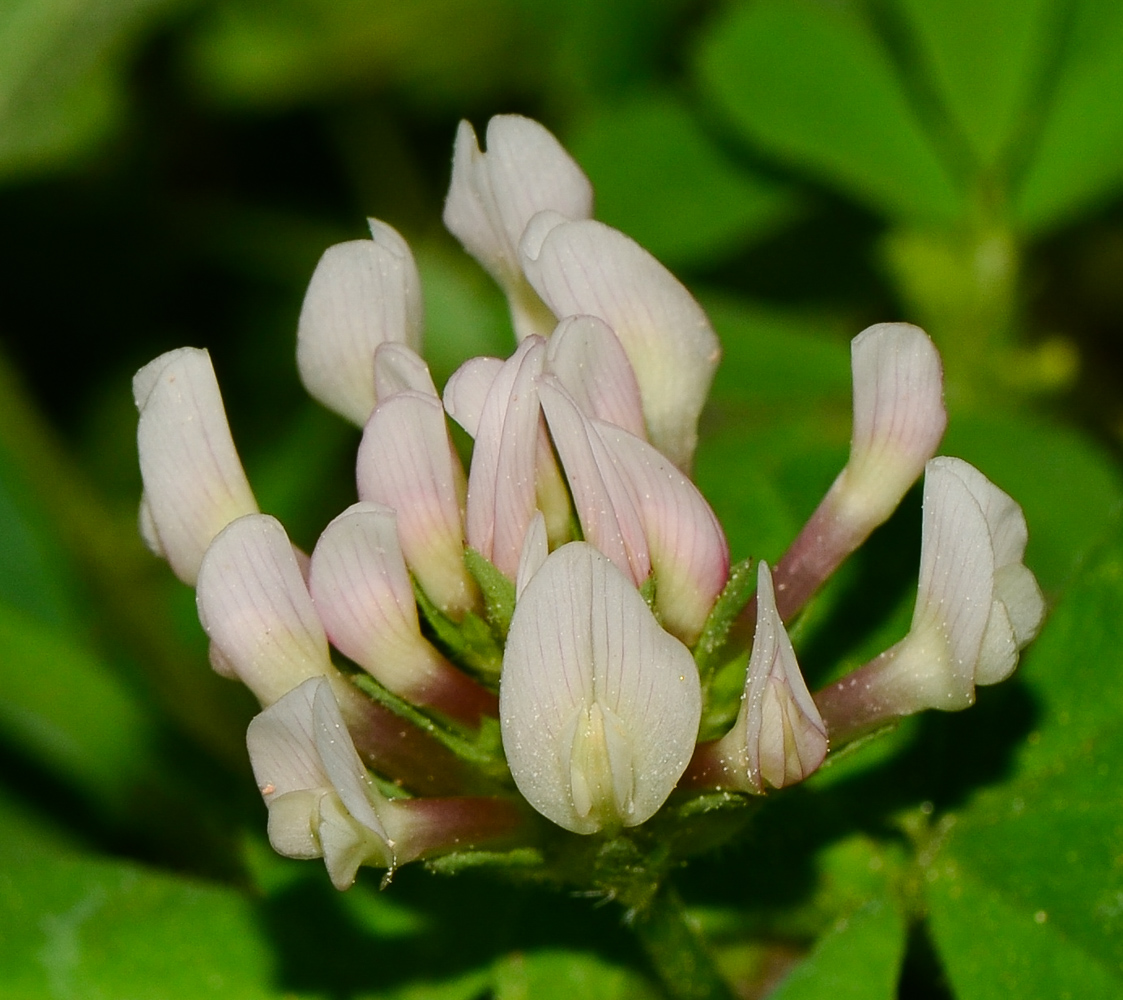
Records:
x=466, y=391
x=282, y=745
x=362, y=293
x=590, y=363
x=363, y=593
x=785, y=738
x=604, y=497
x=320, y=801
x=535, y=550
x=502, y=482
x=493, y=195
x=1018, y=606
x=193, y=481
x=956, y=588
x=689, y=553
x=599, y=706
x=406, y=461
x=255, y=607
x=899, y=418
x=340, y=760
x=934, y=665
x=399, y=368
x=586, y=268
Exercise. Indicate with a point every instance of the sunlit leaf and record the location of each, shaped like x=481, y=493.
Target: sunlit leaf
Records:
x=810, y=85
x=1033, y=866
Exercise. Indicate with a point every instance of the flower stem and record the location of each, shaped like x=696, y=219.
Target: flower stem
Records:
x=676, y=950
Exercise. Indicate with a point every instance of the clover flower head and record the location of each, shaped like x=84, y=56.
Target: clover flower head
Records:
x=524, y=647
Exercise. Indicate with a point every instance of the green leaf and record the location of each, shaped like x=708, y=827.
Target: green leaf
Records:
x=61, y=705
x=775, y=359
x=80, y=926
x=858, y=959
x=811, y=85
x=35, y=573
x=292, y=52
x=993, y=950
x=61, y=78
x=1039, y=859
x=660, y=178
x=465, y=313
x=986, y=59
x=561, y=975
x=1079, y=157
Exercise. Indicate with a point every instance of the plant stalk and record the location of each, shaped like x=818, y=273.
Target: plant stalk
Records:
x=676, y=950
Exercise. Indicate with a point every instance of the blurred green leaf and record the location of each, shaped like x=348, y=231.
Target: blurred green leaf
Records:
x=465, y=313
x=811, y=85
x=61, y=75
x=1079, y=157
x=35, y=575
x=986, y=58
x=80, y=926
x=857, y=959
x=277, y=54
x=1034, y=867
x=60, y=703
x=778, y=424
x=561, y=975
x=65, y=708
x=659, y=178
x=774, y=359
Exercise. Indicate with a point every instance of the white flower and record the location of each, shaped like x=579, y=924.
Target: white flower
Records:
x=321, y=802
x=977, y=607
x=779, y=737
x=899, y=418
x=599, y=707
x=363, y=293
x=585, y=268
x=494, y=195
x=193, y=480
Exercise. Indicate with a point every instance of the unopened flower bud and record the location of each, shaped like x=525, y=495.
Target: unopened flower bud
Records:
x=363, y=293
x=364, y=595
x=407, y=462
x=641, y=511
x=779, y=737
x=194, y=484
x=585, y=268
x=899, y=418
x=493, y=195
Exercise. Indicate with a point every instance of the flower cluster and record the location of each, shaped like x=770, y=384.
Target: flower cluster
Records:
x=533, y=630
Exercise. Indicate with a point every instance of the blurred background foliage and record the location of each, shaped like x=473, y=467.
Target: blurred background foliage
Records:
x=170, y=171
